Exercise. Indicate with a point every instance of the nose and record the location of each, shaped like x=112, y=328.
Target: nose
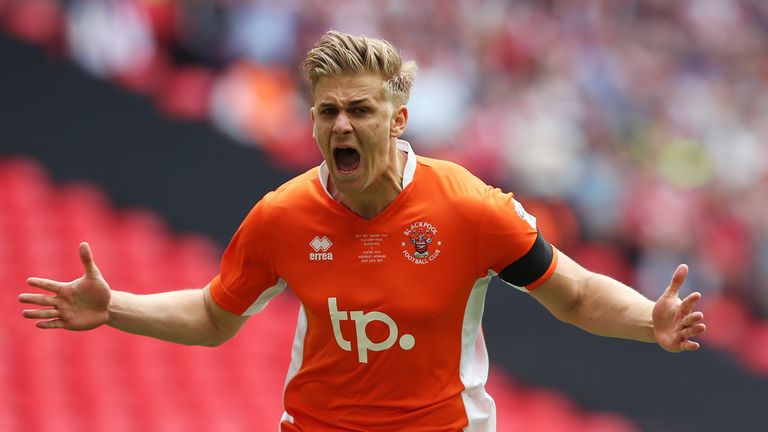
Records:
x=341, y=124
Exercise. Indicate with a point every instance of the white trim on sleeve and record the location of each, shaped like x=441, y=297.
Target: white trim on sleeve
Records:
x=261, y=302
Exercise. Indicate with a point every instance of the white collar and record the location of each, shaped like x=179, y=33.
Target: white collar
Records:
x=408, y=171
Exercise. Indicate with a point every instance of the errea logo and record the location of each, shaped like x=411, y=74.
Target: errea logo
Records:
x=320, y=245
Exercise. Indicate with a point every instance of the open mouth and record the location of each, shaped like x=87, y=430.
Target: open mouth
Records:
x=347, y=159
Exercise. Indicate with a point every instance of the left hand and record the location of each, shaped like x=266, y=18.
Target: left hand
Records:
x=78, y=305
x=674, y=322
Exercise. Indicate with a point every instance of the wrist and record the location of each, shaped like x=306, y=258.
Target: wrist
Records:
x=115, y=307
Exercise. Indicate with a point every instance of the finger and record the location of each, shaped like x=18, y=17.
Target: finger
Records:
x=694, y=331
x=693, y=319
x=50, y=324
x=38, y=299
x=41, y=313
x=86, y=257
x=678, y=277
x=687, y=305
x=689, y=345
x=46, y=284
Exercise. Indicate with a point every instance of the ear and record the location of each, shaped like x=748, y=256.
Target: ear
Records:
x=399, y=121
x=312, y=118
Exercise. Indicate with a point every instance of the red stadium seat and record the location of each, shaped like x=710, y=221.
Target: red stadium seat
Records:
x=107, y=380
x=607, y=422
x=37, y=21
x=727, y=322
x=753, y=351
x=186, y=93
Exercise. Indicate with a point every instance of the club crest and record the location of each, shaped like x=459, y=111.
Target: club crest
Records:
x=421, y=245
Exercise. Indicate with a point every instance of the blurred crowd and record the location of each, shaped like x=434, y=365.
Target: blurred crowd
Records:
x=637, y=131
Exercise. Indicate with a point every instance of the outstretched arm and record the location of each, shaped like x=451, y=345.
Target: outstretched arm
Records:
x=603, y=306
x=188, y=317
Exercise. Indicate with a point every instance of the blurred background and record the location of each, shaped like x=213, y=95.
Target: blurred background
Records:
x=636, y=132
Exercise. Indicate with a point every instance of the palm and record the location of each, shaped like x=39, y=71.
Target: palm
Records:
x=77, y=305
x=84, y=303
x=674, y=321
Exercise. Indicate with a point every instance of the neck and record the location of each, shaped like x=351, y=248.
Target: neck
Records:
x=373, y=200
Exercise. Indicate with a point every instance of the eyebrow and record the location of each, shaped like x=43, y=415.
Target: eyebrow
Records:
x=351, y=103
x=359, y=101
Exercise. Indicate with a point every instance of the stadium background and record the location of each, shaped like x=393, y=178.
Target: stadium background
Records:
x=635, y=131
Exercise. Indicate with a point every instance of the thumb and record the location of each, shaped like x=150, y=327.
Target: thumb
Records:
x=86, y=257
x=678, y=277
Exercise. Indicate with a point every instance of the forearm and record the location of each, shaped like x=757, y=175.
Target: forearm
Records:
x=174, y=316
x=609, y=308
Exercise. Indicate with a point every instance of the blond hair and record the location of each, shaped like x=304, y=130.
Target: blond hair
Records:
x=339, y=53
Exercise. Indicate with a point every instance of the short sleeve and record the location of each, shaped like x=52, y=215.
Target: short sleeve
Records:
x=247, y=279
x=510, y=243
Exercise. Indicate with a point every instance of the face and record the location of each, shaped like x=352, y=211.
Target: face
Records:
x=356, y=126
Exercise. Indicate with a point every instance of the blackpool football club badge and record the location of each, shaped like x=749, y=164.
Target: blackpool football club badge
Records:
x=421, y=244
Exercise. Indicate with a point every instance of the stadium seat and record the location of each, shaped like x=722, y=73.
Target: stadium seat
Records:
x=727, y=322
x=186, y=93
x=146, y=77
x=107, y=380
x=753, y=351
x=37, y=21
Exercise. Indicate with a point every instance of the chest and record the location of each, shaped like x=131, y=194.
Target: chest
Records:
x=417, y=264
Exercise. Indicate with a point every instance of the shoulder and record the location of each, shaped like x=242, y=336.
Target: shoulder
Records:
x=301, y=184
x=294, y=191
x=451, y=179
x=292, y=197
x=450, y=173
x=470, y=196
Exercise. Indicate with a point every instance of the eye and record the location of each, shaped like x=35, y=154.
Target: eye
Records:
x=360, y=111
x=329, y=111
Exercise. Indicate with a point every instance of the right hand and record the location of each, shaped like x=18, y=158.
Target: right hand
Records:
x=674, y=320
x=81, y=304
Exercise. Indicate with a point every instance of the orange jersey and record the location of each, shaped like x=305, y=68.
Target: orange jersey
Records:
x=388, y=335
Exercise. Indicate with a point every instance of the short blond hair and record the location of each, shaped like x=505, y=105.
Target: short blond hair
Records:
x=339, y=53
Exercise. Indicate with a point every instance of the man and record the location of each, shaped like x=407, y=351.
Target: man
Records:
x=390, y=255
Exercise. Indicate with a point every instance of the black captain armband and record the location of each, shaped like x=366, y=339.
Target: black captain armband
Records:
x=531, y=266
